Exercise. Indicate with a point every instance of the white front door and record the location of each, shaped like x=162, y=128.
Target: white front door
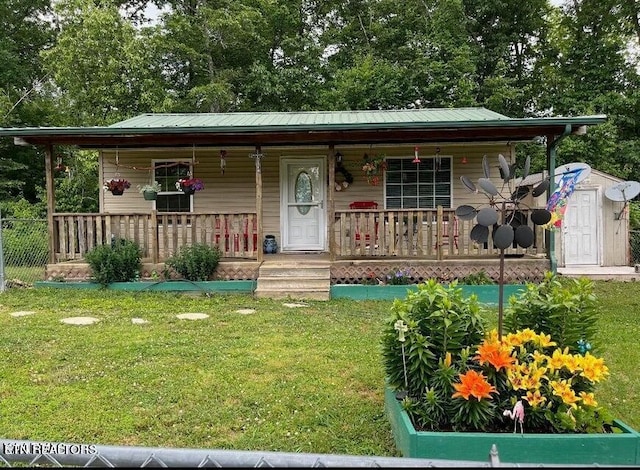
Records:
x=580, y=228
x=302, y=209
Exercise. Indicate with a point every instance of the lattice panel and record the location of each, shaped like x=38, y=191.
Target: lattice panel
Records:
x=515, y=271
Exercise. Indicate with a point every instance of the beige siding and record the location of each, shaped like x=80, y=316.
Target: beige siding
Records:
x=235, y=190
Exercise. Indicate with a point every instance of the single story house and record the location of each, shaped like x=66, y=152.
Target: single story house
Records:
x=356, y=192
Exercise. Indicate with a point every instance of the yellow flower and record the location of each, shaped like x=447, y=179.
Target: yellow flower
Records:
x=573, y=362
x=563, y=390
x=512, y=340
x=447, y=359
x=558, y=359
x=535, y=398
x=588, y=399
x=527, y=335
x=593, y=368
x=544, y=341
x=539, y=358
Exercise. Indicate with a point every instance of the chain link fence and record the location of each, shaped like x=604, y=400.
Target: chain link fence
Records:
x=634, y=246
x=25, y=251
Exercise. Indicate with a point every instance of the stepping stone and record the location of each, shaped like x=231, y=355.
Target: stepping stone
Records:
x=139, y=321
x=192, y=316
x=80, y=320
x=246, y=311
x=21, y=313
x=294, y=305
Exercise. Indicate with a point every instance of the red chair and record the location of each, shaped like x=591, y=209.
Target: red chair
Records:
x=364, y=205
x=445, y=232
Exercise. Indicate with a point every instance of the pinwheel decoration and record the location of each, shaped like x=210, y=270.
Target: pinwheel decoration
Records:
x=504, y=214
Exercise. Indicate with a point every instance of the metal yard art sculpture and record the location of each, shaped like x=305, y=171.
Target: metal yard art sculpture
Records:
x=503, y=213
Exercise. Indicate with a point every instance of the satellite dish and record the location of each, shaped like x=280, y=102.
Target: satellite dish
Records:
x=562, y=170
x=623, y=192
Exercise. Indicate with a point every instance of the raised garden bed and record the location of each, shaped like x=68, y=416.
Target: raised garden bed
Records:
x=619, y=448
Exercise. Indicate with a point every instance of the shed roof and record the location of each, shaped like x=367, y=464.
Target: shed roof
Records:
x=307, y=128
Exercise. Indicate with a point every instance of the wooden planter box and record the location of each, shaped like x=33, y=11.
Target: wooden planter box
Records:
x=487, y=294
x=621, y=448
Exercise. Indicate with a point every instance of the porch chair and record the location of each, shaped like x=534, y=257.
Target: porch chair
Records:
x=363, y=205
x=445, y=232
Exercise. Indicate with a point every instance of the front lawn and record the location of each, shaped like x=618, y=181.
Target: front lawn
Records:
x=283, y=379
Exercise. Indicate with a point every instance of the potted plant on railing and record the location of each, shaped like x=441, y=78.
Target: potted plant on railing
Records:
x=190, y=185
x=116, y=186
x=150, y=191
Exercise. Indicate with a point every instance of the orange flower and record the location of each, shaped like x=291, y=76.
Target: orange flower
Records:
x=474, y=384
x=497, y=355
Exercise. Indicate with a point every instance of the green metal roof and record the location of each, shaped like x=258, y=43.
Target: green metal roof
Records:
x=313, y=127
x=311, y=118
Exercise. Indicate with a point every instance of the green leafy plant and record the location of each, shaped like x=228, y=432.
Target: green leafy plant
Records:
x=117, y=262
x=195, y=262
x=477, y=279
x=564, y=308
x=441, y=325
x=452, y=377
x=151, y=188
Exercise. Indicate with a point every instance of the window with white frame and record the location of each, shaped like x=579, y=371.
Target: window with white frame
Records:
x=423, y=185
x=170, y=198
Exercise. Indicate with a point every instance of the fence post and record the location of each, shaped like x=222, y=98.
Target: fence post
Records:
x=2, y=282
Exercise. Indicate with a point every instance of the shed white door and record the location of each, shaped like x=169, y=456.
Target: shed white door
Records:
x=580, y=228
x=302, y=208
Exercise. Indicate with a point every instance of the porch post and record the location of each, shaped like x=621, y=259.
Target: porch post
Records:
x=257, y=158
x=331, y=203
x=51, y=200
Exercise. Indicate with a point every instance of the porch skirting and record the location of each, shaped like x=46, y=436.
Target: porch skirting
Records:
x=517, y=270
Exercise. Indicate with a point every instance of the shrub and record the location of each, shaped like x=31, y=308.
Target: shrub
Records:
x=477, y=279
x=196, y=262
x=117, y=262
x=564, y=308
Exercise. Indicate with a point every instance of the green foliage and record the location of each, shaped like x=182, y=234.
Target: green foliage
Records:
x=440, y=320
x=634, y=215
x=195, y=262
x=118, y=262
x=399, y=277
x=564, y=308
x=477, y=279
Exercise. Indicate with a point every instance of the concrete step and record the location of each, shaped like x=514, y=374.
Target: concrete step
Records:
x=292, y=283
x=295, y=271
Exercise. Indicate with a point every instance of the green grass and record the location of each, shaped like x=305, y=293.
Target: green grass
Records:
x=294, y=380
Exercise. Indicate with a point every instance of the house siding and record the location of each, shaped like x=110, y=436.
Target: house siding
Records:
x=235, y=191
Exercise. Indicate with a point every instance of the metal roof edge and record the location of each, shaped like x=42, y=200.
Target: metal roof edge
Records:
x=119, y=131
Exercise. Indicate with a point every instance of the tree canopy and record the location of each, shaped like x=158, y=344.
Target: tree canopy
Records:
x=95, y=62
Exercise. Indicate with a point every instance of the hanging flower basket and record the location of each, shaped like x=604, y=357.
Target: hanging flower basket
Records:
x=373, y=168
x=190, y=185
x=116, y=186
x=150, y=191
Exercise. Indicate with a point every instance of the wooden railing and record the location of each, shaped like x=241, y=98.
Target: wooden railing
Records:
x=158, y=235
x=436, y=234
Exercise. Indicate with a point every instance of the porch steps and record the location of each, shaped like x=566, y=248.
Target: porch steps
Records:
x=296, y=278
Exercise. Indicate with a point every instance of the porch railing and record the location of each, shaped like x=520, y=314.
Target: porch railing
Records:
x=436, y=234
x=159, y=235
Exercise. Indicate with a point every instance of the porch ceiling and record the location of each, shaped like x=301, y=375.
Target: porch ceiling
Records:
x=305, y=128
